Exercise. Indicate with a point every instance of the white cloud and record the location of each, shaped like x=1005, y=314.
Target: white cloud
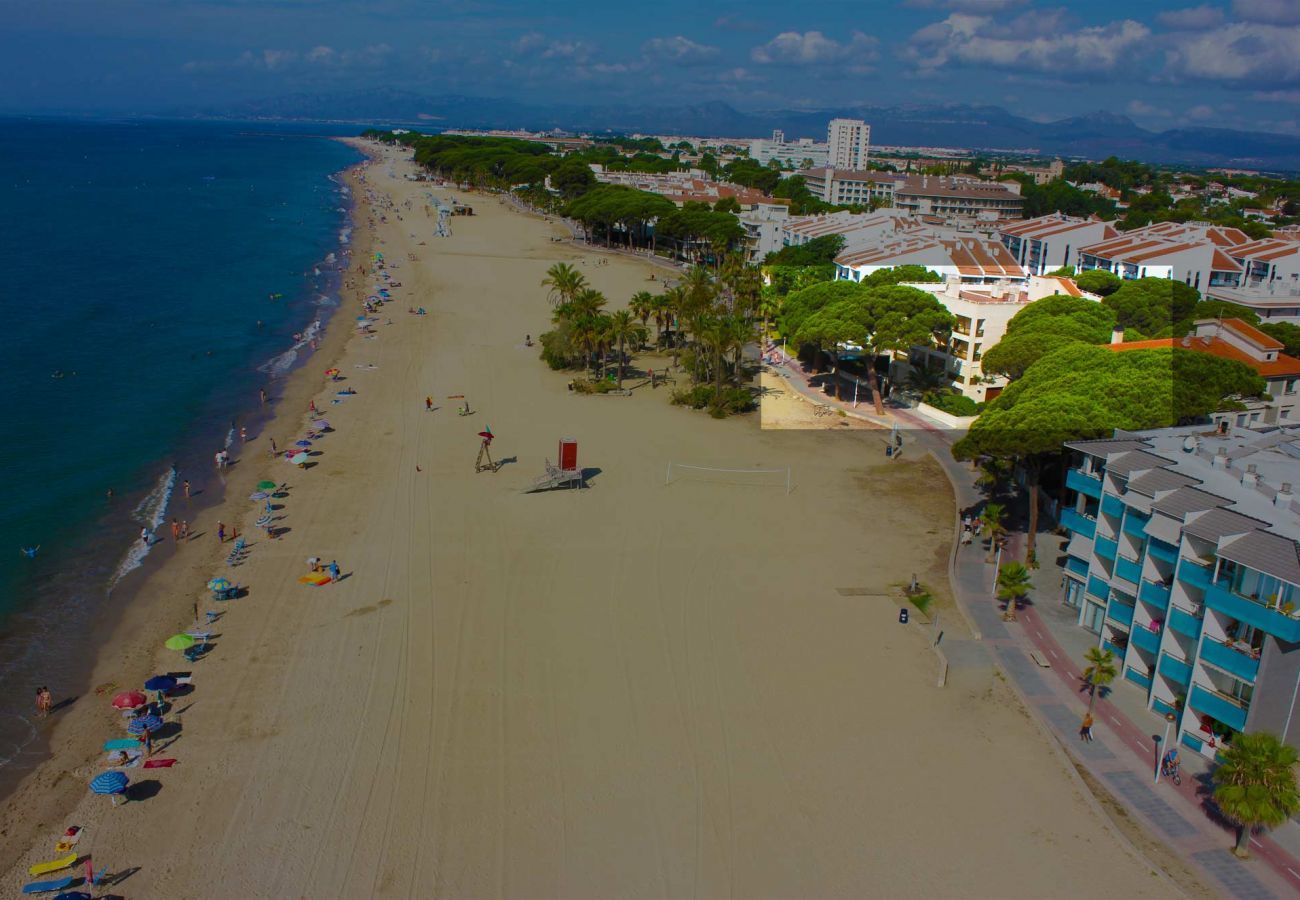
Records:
x=1238, y=52
x=540, y=46
x=533, y=40
x=1274, y=12
x=678, y=49
x=813, y=48
x=1036, y=41
x=1193, y=18
x=975, y=6
x=1144, y=110
x=1201, y=112
x=277, y=60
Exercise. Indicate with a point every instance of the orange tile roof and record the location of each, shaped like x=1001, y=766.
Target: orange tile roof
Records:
x=1067, y=285
x=1245, y=329
x=1284, y=365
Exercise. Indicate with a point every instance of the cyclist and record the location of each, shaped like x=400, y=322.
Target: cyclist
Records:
x=1169, y=765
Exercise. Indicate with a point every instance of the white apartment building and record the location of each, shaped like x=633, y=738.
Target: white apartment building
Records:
x=982, y=315
x=1050, y=242
x=858, y=229
x=974, y=261
x=1193, y=253
x=803, y=153
x=851, y=188
x=849, y=144
x=1270, y=279
x=764, y=229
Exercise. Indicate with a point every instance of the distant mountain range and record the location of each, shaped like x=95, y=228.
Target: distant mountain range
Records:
x=1094, y=136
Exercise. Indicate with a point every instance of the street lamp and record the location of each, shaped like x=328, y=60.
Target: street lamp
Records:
x=1170, y=718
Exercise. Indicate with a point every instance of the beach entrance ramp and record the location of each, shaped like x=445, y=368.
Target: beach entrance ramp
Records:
x=566, y=473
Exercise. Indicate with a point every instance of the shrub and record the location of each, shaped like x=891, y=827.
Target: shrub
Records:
x=587, y=386
x=719, y=404
x=953, y=404
x=556, y=351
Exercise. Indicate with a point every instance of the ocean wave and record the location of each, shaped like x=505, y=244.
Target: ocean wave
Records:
x=230, y=438
x=345, y=235
x=283, y=362
x=150, y=512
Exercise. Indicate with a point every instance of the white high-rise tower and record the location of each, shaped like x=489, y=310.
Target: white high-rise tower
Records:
x=850, y=144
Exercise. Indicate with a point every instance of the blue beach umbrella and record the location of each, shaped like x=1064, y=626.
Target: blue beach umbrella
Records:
x=160, y=683
x=141, y=724
x=219, y=584
x=258, y=495
x=361, y=318
x=73, y=895
x=302, y=443
x=109, y=783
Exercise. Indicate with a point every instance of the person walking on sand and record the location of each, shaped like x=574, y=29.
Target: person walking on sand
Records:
x=243, y=433
x=185, y=530
x=274, y=449
x=144, y=536
x=176, y=530
x=428, y=404
x=186, y=488
x=334, y=570
x=47, y=701
x=262, y=394
x=221, y=532
x=40, y=702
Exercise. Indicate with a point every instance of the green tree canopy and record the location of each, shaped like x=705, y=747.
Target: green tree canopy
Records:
x=1285, y=332
x=1077, y=317
x=818, y=251
x=900, y=274
x=1098, y=281
x=1152, y=306
x=1255, y=784
x=1014, y=354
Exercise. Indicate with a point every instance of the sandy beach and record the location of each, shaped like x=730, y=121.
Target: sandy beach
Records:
x=644, y=689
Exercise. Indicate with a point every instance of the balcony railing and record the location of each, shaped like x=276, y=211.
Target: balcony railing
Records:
x=1231, y=659
x=1162, y=551
x=1128, y=569
x=1253, y=612
x=1184, y=622
x=1134, y=524
x=1105, y=547
x=1077, y=522
x=1195, y=574
x=1118, y=612
x=1228, y=710
x=1175, y=670
x=1145, y=638
x=1076, y=565
x=1154, y=593
x=1098, y=588
x=1112, y=505
x=1138, y=678
x=1089, y=485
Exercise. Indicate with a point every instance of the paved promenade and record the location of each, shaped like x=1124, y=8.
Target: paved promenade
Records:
x=1123, y=755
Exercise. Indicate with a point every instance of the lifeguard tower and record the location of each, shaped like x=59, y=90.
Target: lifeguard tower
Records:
x=566, y=472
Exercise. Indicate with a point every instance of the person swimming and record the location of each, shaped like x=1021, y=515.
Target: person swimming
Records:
x=29, y=552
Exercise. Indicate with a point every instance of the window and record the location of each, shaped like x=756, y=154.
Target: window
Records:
x=1289, y=387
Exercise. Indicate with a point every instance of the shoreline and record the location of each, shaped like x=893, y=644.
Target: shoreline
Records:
x=163, y=587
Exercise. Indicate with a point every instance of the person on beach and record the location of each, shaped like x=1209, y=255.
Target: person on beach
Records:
x=185, y=530
x=144, y=536
x=186, y=488
x=176, y=530
x=262, y=394
x=313, y=563
x=334, y=570
x=221, y=532
x=273, y=447
x=148, y=744
x=243, y=433
x=428, y=404
x=47, y=701
x=40, y=702
x=1085, y=728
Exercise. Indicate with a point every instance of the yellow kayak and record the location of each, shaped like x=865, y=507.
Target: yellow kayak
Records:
x=53, y=865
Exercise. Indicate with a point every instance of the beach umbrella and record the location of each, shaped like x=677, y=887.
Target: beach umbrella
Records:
x=73, y=895
x=160, y=683
x=219, y=584
x=141, y=724
x=109, y=783
x=300, y=459
x=320, y=423
x=361, y=318
x=258, y=495
x=302, y=443
x=263, y=522
x=179, y=642
x=266, y=485
x=129, y=700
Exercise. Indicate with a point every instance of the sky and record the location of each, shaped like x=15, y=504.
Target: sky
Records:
x=1165, y=63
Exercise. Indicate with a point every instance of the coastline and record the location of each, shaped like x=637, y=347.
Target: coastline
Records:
x=508, y=695
x=155, y=600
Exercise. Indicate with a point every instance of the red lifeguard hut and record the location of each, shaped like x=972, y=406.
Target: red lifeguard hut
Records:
x=566, y=472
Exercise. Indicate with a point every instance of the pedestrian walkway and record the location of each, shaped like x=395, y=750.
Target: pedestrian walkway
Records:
x=1123, y=756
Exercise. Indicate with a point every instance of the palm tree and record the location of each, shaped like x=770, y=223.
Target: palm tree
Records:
x=564, y=282
x=995, y=525
x=587, y=302
x=1255, y=785
x=1013, y=587
x=923, y=380
x=1099, y=672
x=676, y=311
x=661, y=309
x=642, y=306
x=622, y=328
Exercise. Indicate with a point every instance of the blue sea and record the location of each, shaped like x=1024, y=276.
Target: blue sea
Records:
x=153, y=276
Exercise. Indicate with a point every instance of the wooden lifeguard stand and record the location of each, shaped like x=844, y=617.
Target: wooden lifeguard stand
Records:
x=566, y=472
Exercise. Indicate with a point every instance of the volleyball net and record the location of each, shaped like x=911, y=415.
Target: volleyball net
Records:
x=752, y=477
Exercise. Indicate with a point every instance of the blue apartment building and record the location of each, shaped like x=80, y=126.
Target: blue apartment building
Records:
x=1183, y=558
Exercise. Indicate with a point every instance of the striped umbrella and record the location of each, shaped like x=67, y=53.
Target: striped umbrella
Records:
x=109, y=783
x=129, y=700
x=140, y=724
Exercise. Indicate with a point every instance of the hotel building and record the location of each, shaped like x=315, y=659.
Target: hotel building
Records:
x=848, y=144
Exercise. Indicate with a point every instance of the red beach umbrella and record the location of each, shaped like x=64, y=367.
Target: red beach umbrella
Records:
x=130, y=700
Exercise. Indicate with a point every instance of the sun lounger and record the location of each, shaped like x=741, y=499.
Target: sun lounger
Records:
x=45, y=887
x=159, y=763
x=68, y=839
x=53, y=865
x=199, y=635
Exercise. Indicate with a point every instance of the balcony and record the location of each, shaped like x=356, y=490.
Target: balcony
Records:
x=1228, y=710
x=1162, y=551
x=1175, y=670
x=1098, y=588
x=1133, y=675
x=1135, y=524
x=1230, y=659
x=1077, y=566
x=1195, y=574
x=1252, y=612
x=1114, y=648
x=1112, y=505
x=1084, y=484
x=1075, y=521
x=1154, y=593
x=1120, y=613
x=1128, y=569
x=1184, y=623
x=1105, y=548
x=1145, y=638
